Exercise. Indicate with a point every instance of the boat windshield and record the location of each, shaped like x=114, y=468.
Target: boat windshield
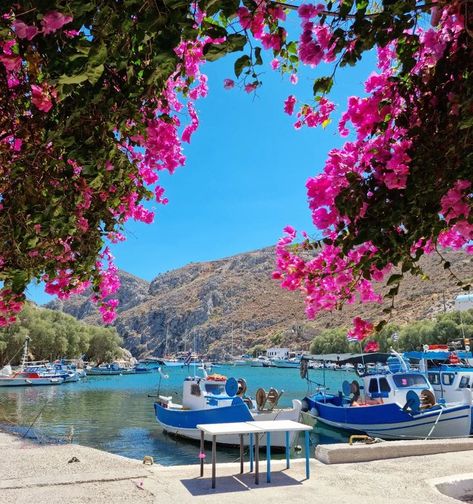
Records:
x=215, y=388
x=410, y=380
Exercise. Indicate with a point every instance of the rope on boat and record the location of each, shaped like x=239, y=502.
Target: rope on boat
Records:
x=435, y=424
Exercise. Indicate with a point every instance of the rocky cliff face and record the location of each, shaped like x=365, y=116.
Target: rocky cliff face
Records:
x=229, y=305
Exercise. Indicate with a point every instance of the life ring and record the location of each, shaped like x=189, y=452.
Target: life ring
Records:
x=216, y=377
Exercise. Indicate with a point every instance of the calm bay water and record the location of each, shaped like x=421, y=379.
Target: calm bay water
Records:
x=115, y=414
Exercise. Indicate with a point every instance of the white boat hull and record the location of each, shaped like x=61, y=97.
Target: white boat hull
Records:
x=29, y=382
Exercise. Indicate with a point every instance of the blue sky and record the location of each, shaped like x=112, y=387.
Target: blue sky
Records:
x=244, y=179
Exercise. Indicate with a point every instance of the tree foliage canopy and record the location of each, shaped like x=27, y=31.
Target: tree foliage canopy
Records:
x=445, y=328
x=92, y=96
x=55, y=335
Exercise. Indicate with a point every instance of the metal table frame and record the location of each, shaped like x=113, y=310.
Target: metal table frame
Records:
x=252, y=428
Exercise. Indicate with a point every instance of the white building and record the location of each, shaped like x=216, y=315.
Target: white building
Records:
x=464, y=302
x=277, y=353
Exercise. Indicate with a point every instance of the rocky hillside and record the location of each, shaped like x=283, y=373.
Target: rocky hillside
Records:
x=207, y=306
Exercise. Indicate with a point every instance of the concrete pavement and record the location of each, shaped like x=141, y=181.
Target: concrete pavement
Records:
x=30, y=473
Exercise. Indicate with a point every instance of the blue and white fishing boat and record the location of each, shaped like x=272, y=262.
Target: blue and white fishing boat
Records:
x=55, y=370
x=449, y=372
x=214, y=399
x=398, y=403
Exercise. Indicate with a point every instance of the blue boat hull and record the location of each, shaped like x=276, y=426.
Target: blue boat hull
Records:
x=389, y=420
x=175, y=419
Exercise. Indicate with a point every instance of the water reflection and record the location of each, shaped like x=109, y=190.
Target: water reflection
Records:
x=114, y=413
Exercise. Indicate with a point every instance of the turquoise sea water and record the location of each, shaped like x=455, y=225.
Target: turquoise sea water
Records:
x=115, y=414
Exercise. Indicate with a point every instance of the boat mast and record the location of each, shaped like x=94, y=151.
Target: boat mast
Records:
x=166, y=341
x=25, y=354
x=233, y=356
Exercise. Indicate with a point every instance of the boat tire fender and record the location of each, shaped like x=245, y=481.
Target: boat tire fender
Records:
x=242, y=387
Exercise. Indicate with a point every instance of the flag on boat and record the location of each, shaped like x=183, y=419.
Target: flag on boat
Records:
x=188, y=359
x=395, y=336
x=352, y=338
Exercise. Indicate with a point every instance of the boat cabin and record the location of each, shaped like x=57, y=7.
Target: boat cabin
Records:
x=393, y=388
x=211, y=391
x=449, y=373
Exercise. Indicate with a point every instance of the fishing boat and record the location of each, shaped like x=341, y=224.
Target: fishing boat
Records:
x=216, y=399
x=449, y=372
x=260, y=361
x=105, y=370
x=396, y=404
x=56, y=370
x=293, y=363
x=173, y=362
x=23, y=378
x=141, y=369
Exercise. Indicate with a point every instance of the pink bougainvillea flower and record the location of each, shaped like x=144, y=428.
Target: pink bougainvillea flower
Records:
x=294, y=79
x=307, y=11
x=228, y=83
x=361, y=329
x=10, y=62
x=275, y=64
x=53, y=21
x=371, y=346
x=24, y=31
x=249, y=88
x=41, y=98
x=289, y=104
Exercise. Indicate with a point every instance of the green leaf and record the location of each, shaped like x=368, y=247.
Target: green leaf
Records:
x=19, y=281
x=72, y=79
x=97, y=54
x=394, y=279
x=236, y=42
x=258, y=59
x=323, y=84
x=213, y=52
x=361, y=4
x=241, y=63
x=380, y=325
x=345, y=7
x=94, y=73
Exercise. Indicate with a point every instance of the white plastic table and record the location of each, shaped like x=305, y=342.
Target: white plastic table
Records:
x=251, y=428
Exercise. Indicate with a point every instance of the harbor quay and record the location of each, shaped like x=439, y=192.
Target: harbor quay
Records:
x=53, y=474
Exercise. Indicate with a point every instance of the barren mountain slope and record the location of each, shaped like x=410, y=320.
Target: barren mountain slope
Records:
x=202, y=304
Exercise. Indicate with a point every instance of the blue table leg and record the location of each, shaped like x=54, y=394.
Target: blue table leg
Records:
x=251, y=452
x=288, y=448
x=307, y=455
x=268, y=457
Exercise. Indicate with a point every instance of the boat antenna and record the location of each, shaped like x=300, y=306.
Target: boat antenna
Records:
x=161, y=375
x=323, y=374
x=401, y=360
x=363, y=356
x=195, y=357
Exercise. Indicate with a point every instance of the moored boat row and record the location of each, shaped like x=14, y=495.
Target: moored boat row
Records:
x=45, y=373
x=393, y=401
